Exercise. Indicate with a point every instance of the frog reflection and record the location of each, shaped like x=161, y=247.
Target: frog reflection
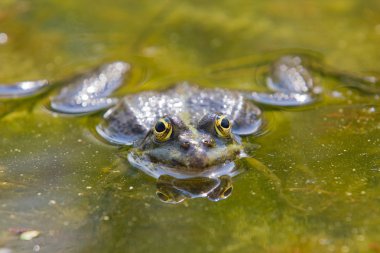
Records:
x=175, y=190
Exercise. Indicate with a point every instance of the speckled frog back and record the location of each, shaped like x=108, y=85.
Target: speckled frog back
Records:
x=135, y=114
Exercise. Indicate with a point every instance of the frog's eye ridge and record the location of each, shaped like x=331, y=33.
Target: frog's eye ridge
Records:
x=223, y=126
x=163, y=129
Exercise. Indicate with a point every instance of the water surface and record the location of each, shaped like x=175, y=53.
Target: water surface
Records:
x=312, y=186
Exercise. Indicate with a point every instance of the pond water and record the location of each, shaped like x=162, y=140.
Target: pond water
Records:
x=312, y=185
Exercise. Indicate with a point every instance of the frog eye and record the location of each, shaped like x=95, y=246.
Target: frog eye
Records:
x=227, y=192
x=223, y=126
x=163, y=129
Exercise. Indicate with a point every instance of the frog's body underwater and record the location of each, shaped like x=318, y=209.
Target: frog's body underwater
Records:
x=187, y=137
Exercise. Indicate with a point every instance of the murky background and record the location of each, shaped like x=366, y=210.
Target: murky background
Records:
x=312, y=186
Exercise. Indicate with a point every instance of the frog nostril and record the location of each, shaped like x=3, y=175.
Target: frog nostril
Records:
x=185, y=145
x=208, y=142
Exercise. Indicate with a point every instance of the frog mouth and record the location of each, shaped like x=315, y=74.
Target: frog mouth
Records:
x=179, y=170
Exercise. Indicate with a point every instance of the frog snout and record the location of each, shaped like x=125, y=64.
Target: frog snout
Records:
x=196, y=152
x=196, y=145
x=208, y=142
x=198, y=158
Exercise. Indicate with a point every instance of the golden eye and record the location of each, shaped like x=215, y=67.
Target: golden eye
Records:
x=223, y=126
x=163, y=129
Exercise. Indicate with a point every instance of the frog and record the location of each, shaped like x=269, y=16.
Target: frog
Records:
x=186, y=137
x=184, y=134
x=189, y=138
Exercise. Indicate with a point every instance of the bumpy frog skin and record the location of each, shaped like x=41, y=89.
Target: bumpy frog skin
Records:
x=194, y=145
x=194, y=149
x=194, y=158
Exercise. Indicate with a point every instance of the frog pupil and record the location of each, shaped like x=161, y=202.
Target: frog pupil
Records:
x=225, y=123
x=160, y=127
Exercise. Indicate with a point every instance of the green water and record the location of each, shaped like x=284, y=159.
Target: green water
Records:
x=312, y=186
